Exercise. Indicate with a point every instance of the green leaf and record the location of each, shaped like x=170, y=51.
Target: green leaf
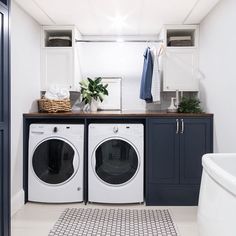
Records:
x=90, y=87
x=105, y=92
x=90, y=81
x=98, y=80
x=100, y=97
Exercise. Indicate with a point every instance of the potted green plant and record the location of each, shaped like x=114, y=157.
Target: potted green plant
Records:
x=93, y=92
x=190, y=105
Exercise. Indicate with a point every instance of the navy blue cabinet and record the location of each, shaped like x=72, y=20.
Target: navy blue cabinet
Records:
x=173, y=162
x=4, y=123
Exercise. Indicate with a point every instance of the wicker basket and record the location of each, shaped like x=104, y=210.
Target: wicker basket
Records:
x=53, y=106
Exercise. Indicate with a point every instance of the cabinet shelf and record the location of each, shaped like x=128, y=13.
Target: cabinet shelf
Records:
x=57, y=38
x=180, y=38
x=58, y=47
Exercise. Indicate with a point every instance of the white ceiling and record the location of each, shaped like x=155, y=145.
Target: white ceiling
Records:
x=117, y=17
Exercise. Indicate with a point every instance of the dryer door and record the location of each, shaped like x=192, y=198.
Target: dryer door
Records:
x=116, y=161
x=55, y=161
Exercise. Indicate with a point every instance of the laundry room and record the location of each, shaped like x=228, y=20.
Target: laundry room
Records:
x=116, y=117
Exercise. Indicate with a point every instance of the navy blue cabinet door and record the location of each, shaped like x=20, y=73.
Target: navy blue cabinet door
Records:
x=163, y=154
x=195, y=140
x=4, y=125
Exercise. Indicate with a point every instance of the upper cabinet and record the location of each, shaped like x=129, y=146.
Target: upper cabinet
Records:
x=59, y=57
x=180, y=58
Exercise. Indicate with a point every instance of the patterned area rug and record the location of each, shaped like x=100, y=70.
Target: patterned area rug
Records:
x=114, y=222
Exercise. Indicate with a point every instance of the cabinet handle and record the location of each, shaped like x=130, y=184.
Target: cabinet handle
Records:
x=177, y=126
x=182, y=126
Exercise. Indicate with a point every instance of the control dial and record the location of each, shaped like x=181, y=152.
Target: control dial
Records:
x=115, y=129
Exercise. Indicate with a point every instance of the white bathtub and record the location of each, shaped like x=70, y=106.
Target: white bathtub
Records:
x=217, y=201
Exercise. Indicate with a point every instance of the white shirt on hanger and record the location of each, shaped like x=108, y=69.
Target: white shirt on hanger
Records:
x=156, y=83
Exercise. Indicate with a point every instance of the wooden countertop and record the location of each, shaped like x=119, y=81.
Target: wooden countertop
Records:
x=114, y=114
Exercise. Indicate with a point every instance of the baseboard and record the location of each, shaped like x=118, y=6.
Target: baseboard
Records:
x=17, y=201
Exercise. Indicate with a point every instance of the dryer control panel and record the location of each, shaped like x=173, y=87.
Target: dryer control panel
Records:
x=118, y=129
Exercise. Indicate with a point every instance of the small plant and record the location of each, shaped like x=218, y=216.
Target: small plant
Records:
x=93, y=89
x=190, y=105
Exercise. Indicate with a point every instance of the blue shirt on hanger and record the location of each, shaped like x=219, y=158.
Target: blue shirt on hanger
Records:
x=146, y=82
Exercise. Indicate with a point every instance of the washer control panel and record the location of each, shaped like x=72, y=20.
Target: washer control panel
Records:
x=57, y=129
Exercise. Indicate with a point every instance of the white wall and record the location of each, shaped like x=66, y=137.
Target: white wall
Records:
x=25, y=87
x=116, y=60
x=217, y=63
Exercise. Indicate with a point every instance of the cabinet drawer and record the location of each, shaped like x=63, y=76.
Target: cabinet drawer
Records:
x=172, y=195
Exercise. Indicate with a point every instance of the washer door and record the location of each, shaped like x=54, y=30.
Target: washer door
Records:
x=117, y=161
x=55, y=161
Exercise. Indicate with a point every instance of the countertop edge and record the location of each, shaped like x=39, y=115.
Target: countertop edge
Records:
x=114, y=114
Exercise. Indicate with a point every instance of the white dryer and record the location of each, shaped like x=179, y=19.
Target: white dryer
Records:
x=115, y=165
x=55, y=163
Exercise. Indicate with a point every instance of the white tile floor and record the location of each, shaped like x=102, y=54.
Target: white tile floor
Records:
x=37, y=219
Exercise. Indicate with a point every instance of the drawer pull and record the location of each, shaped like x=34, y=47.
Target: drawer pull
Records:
x=177, y=126
x=182, y=126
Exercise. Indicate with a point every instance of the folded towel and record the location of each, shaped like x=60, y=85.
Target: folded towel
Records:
x=55, y=93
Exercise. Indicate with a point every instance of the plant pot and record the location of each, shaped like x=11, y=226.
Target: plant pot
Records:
x=94, y=105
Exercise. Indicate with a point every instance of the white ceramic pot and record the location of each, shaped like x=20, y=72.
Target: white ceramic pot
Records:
x=94, y=105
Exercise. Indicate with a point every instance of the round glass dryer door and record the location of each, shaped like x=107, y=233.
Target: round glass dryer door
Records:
x=116, y=161
x=54, y=161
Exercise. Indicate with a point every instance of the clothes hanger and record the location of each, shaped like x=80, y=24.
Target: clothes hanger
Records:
x=161, y=50
x=160, y=53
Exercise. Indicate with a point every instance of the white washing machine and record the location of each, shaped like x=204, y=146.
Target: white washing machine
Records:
x=55, y=169
x=115, y=165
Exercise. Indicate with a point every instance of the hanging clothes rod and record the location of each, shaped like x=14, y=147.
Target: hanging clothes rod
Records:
x=117, y=41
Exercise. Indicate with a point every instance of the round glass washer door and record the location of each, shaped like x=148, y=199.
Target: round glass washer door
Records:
x=116, y=161
x=55, y=161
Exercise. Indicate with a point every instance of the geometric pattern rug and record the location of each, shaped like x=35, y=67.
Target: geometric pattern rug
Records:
x=114, y=222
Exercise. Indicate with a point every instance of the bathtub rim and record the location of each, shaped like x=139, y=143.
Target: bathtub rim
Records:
x=219, y=174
